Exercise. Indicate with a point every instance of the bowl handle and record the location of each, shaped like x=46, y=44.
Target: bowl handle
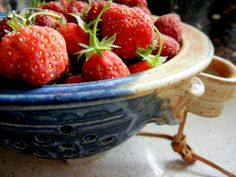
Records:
x=219, y=79
x=204, y=94
x=193, y=90
x=175, y=100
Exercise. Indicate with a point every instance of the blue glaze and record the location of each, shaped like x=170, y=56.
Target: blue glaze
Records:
x=64, y=93
x=2, y=14
x=75, y=120
x=77, y=132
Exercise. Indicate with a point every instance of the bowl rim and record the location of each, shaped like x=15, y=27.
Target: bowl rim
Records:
x=195, y=55
x=227, y=65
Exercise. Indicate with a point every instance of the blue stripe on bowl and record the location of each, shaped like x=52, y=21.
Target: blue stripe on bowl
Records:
x=2, y=14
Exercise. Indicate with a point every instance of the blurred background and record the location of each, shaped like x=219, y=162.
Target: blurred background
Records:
x=216, y=18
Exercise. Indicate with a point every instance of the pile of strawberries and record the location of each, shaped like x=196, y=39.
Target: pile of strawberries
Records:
x=75, y=41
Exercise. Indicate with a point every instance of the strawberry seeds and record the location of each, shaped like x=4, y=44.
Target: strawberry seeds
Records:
x=75, y=41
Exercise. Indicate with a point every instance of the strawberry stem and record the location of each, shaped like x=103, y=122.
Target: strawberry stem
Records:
x=32, y=17
x=96, y=45
x=80, y=22
x=160, y=40
x=94, y=34
x=16, y=21
x=146, y=54
x=35, y=4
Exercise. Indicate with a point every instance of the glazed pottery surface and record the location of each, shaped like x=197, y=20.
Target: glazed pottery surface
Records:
x=79, y=120
x=219, y=79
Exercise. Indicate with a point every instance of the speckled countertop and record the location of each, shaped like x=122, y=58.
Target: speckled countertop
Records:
x=214, y=139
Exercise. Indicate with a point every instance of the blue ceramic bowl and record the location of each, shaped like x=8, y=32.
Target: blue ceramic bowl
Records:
x=79, y=120
x=2, y=14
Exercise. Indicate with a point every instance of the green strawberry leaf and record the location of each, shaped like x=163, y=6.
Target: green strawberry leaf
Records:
x=84, y=45
x=80, y=22
x=146, y=54
x=37, y=3
x=16, y=21
x=107, y=43
x=95, y=45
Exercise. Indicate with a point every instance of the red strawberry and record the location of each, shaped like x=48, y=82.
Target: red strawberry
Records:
x=8, y=57
x=142, y=4
x=74, y=79
x=133, y=3
x=37, y=55
x=146, y=63
x=55, y=6
x=101, y=63
x=50, y=20
x=75, y=7
x=170, y=46
x=107, y=66
x=139, y=66
x=133, y=29
x=74, y=35
x=95, y=9
x=65, y=2
x=170, y=24
x=148, y=60
x=4, y=27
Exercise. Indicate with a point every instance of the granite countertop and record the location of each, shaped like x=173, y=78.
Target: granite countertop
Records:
x=143, y=156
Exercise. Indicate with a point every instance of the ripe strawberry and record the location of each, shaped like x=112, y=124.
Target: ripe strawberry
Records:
x=107, y=66
x=133, y=29
x=75, y=7
x=139, y=66
x=101, y=63
x=133, y=3
x=170, y=24
x=52, y=19
x=65, y=2
x=74, y=79
x=150, y=57
x=148, y=60
x=4, y=27
x=8, y=57
x=36, y=54
x=95, y=9
x=170, y=46
x=55, y=6
x=142, y=4
x=146, y=63
x=74, y=35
